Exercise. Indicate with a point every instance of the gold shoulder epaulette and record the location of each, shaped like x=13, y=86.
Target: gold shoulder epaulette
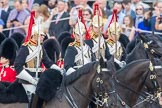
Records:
x=72, y=44
x=25, y=43
x=75, y=43
x=94, y=35
x=110, y=42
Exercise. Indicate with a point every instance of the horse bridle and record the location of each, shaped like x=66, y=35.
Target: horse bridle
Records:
x=100, y=99
x=152, y=51
x=153, y=78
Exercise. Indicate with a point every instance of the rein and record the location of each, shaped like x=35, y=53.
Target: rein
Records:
x=97, y=102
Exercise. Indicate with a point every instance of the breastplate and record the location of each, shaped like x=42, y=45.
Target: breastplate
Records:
x=95, y=48
x=116, y=51
x=33, y=62
x=86, y=55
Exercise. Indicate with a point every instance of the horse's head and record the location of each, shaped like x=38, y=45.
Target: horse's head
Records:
x=153, y=44
x=103, y=83
x=154, y=79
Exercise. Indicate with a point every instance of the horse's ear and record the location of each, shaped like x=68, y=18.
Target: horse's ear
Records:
x=110, y=64
x=102, y=63
x=142, y=37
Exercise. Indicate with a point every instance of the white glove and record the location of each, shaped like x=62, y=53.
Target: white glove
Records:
x=70, y=70
x=55, y=67
x=24, y=75
x=120, y=63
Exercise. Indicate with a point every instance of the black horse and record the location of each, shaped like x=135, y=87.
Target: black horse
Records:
x=128, y=82
x=78, y=89
x=150, y=90
x=144, y=47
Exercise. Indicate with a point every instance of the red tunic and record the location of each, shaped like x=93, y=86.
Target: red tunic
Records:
x=7, y=74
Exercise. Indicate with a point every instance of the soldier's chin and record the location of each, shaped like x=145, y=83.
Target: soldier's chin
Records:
x=160, y=101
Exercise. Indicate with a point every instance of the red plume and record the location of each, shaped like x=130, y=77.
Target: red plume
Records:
x=114, y=15
x=32, y=15
x=80, y=16
x=97, y=10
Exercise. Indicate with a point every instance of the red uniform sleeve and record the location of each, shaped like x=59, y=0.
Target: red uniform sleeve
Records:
x=12, y=74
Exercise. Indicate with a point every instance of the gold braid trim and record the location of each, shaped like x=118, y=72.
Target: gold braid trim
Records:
x=94, y=34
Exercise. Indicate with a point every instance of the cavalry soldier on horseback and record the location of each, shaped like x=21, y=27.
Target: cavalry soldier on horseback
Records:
x=113, y=38
x=78, y=53
x=97, y=41
x=116, y=48
x=30, y=56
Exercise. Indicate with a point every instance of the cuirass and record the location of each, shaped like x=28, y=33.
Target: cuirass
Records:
x=118, y=54
x=95, y=48
x=116, y=51
x=33, y=62
x=86, y=55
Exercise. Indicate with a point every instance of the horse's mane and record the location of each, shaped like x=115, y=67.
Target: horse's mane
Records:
x=129, y=66
x=132, y=44
x=79, y=72
x=130, y=56
x=138, y=45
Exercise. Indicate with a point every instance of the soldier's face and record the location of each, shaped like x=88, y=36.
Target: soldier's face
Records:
x=114, y=37
x=77, y=37
x=97, y=29
x=35, y=38
x=4, y=60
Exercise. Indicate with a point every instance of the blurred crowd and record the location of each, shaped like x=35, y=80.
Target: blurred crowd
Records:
x=59, y=16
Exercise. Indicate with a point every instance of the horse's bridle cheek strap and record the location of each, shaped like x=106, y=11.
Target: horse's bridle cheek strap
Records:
x=146, y=46
x=153, y=77
x=102, y=96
